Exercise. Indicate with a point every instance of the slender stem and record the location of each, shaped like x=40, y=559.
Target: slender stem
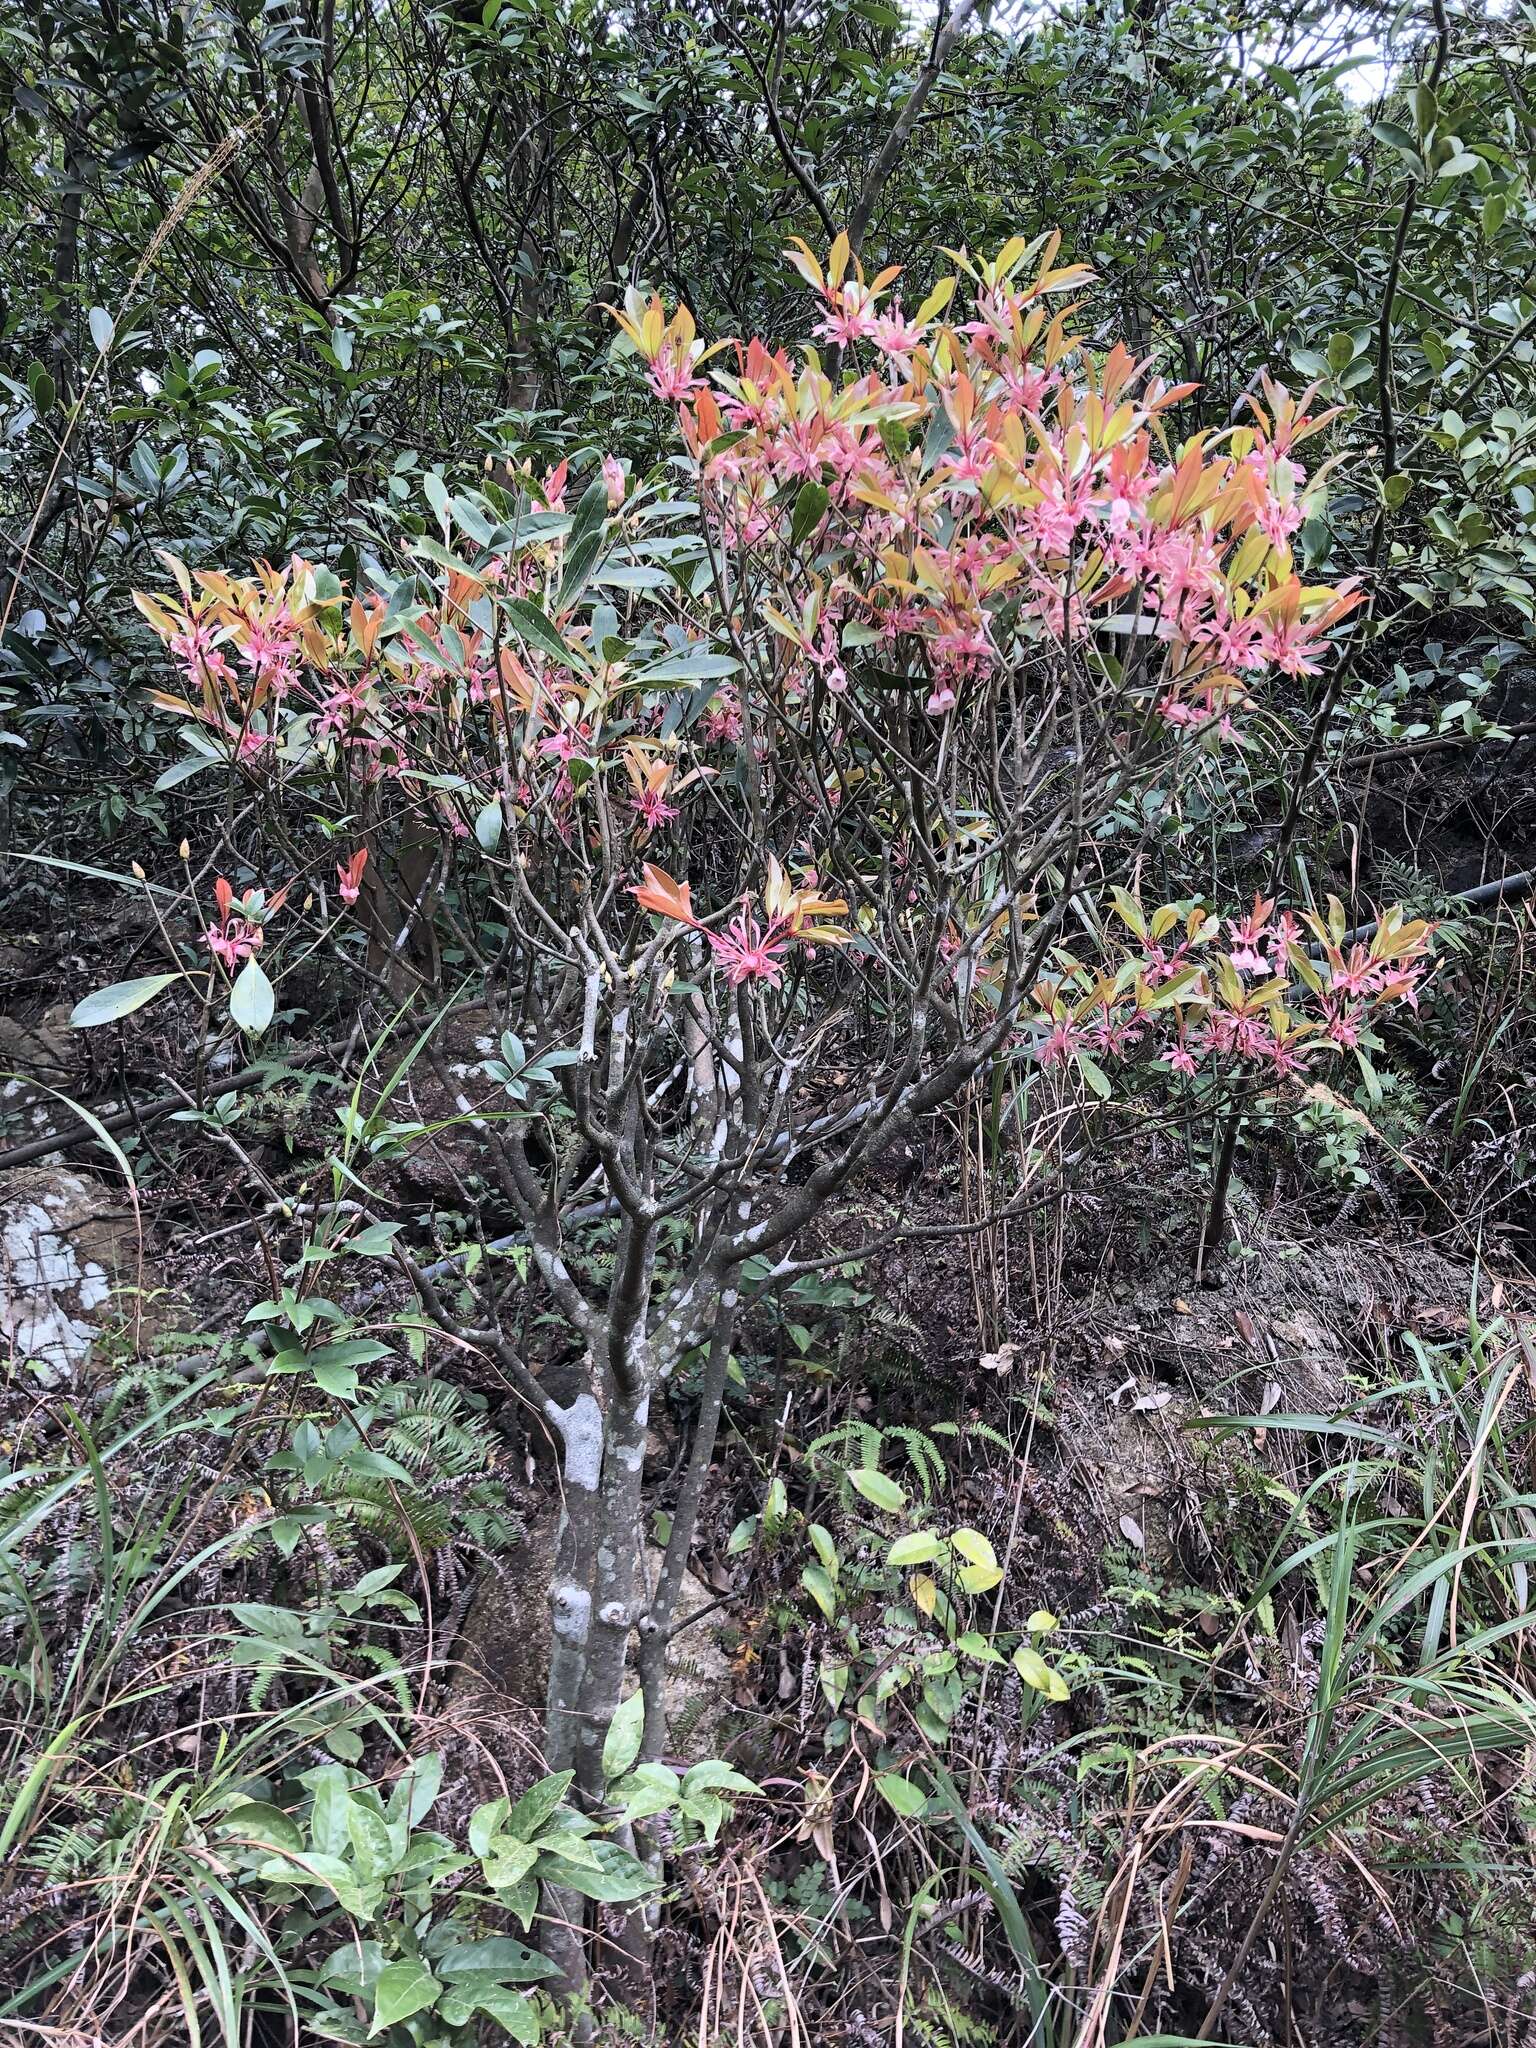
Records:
x=1216, y=1216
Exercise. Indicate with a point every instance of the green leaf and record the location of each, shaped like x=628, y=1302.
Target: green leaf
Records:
x=531, y=625
x=980, y=1578
x=496, y=1956
x=121, y=999
x=376, y=1242
x=821, y=1589
x=510, y=2010
x=1495, y=206
x=974, y=1547
x=102, y=328
x=435, y=491
x=183, y=770
x=261, y=1822
x=649, y=1789
x=714, y=1774
x=622, y=1743
x=584, y=544
x=507, y=1863
x=810, y=508
x=486, y=1822
x=251, y=1000
x=879, y=1490
x=402, y=1989
x=416, y=1792
x=1035, y=1672
x=488, y=826
x=617, y=1878
x=1094, y=1075
x=697, y=665
x=41, y=386
x=1341, y=352
x=908, y=1799
x=527, y=1818
x=921, y=1547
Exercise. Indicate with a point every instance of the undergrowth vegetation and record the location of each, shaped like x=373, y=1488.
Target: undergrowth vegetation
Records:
x=766, y=1068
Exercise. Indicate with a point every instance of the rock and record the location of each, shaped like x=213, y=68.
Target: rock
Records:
x=35, y=1058
x=66, y=1246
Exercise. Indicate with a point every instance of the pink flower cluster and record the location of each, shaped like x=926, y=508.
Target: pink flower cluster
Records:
x=239, y=931
x=1259, y=1006
x=991, y=480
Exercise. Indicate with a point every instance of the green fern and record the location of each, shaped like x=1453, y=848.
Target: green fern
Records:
x=854, y=1446
x=432, y=1430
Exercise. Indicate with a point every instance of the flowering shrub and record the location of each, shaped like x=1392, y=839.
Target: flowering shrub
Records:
x=972, y=515
x=756, y=820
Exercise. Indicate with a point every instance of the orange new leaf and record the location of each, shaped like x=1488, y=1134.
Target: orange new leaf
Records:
x=667, y=898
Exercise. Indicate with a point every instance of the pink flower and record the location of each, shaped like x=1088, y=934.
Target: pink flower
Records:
x=350, y=875
x=553, y=487
x=722, y=721
x=671, y=375
x=235, y=938
x=1060, y=1043
x=850, y=316
x=615, y=479
x=652, y=808
x=270, y=647
x=747, y=951
x=194, y=648
x=895, y=335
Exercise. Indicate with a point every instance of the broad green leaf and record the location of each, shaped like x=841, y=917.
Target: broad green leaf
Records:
x=908, y=1799
x=183, y=770
x=622, y=1743
x=508, y=1862
x=496, y=1956
x=488, y=825
x=261, y=1822
x=435, y=491
x=251, y=1000
x=697, y=664
x=513, y=2011
x=816, y=1582
x=649, y=1789
x=532, y=625
x=121, y=999
x=1035, y=1672
x=879, y=1490
x=486, y=1822
x=527, y=1818
x=617, y=1877
x=974, y=1547
x=102, y=329
x=584, y=544
x=376, y=1241
x=921, y=1547
x=714, y=1774
x=810, y=508
x=402, y=1989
